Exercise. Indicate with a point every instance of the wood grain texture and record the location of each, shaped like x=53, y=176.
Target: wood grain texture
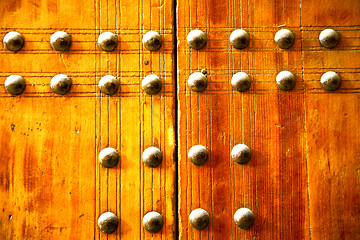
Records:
x=52, y=185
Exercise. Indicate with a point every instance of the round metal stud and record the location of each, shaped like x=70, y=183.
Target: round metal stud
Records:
x=152, y=156
x=108, y=222
x=196, y=39
x=151, y=84
x=239, y=39
x=13, y=41
x=241, y=82
x=329, y=38
x=15, y=84
x=109, y=157
x=107, y=41
x=61, y=84
x=197, y=82
x=198, y=154
x=241, y=154
x=284, y=38
x=199, y=218
x=152, y=41
x=330, y=81
x=153, y=222
x=244, y=218
x=60, y=41
x=285, y=80
x=109, y=84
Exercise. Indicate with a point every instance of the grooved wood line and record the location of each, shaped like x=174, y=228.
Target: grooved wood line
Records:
x=52, y=185
x=303, y=180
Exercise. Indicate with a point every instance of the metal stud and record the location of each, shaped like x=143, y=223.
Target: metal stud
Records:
x=329, y=38
x=199, y=218
x=15, y=84
x=241, y=154
x=152, y=41
x=61, y=84
x=196, y=39
x=284, y=38
x=152, y=156
x=108, y=222
x=109, y=157
x=198, y=154
x=151, y=84
x=109, y=84
x=60, y=41
x=197, y=82
x=153, y=222
x=330, y=81
x=107, y=41
x=244, y=218
x=13, y=41
x=241, y=82
x=285, y=80
x=239, y=39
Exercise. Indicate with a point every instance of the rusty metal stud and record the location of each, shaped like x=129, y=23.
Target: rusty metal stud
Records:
x=152, y=156
x=284, y=38
x=13, y=41
x=109, y=157
x=241, y=154
x=244, y=218
x=61, y=84
x=197, y=82
x=330, y=81
x=107, y=41
x=151, y=84
x=241, y=82
x=199, y=218
x=152, y=41
x=60, y=41
x=329, y=38
x=109, y=85
x=15, y=84
x=239, y=39
x=108, y=222
x=153, y=222
x=198, y=154
x=196, y=39
x=285, y=80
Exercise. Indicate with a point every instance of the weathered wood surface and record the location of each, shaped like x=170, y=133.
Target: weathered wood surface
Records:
x=51, y=183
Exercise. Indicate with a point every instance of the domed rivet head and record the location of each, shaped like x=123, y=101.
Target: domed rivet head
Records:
x=329, y=38
x=198, y=154
x=196, y=39
x=285, y=80
x=244, y=218
x=197, y=82
x=61, y=84
x=60, y=41
x=241, y=82
x=109, y=85
x=151, y=84
x=284, y=38
x=241, y=154
x=152, y=156
x=108, y=157
x=239, y=39
x=153, y=222
x=15, y=84
x=13, y=41
x=107, y=41
x=199, y=218
x=330, y=81
x=108, y=222
x=152, y=41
